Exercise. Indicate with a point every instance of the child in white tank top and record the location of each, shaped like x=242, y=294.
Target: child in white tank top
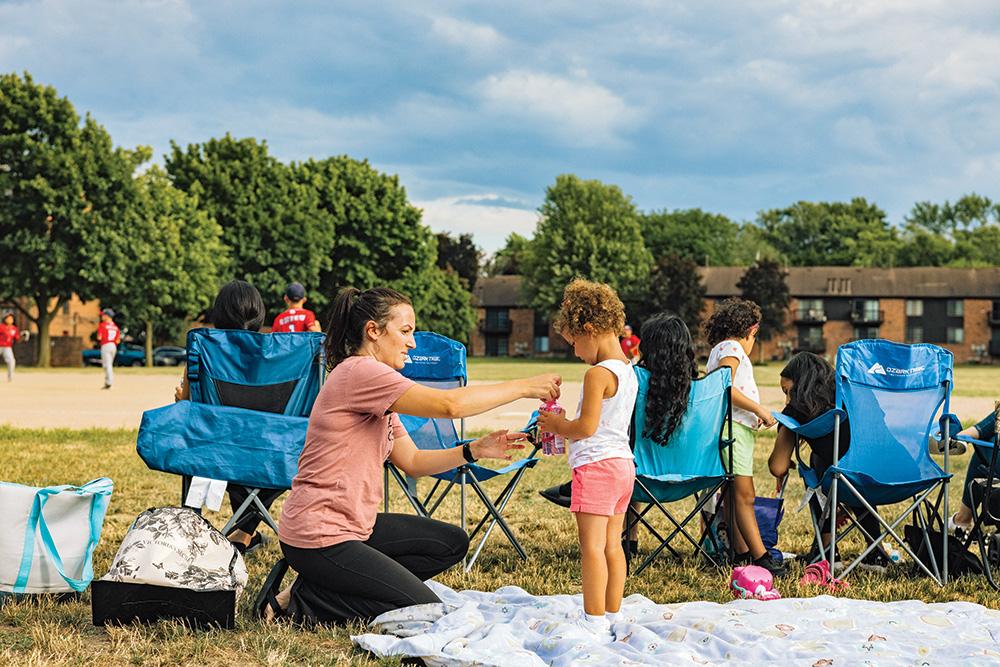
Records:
x=603, y=472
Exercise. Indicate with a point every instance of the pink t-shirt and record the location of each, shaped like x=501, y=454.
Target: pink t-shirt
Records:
x=337, y=491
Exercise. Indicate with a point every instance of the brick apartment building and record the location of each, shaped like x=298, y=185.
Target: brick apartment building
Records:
x=958, y=309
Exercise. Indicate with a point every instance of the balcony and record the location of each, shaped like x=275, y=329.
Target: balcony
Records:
x=810, y=317
x=495, y=326
x=814, y=345
x=995, y=348
x=867, y=317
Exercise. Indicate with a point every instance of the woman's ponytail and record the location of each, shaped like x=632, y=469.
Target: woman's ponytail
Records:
x=352, y=311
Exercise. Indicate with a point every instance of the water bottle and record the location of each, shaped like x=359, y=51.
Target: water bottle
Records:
x=552, y=444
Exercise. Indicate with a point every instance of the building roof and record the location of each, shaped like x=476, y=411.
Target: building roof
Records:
x=498, y=292
x=848, y=281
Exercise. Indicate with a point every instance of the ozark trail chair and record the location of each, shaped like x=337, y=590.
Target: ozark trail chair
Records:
x=440, y=362
x=251, y=394
x=689, y=463
x=890, y=394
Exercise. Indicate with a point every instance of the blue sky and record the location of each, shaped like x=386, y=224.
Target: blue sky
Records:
x=731, y=107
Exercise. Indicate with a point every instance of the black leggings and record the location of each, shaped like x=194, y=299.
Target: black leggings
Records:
x=360, y=580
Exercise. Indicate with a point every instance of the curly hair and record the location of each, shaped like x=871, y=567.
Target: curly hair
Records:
x=668, y=354
x=733, y=318
x=814, y=386
x=590, y=303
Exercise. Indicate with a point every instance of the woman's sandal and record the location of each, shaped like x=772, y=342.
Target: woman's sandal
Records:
x=267, y=599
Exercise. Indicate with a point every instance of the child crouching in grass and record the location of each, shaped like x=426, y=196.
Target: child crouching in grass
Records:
x=592, y=316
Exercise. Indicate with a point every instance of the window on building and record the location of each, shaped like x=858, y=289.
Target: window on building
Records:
x=497, y=346
x=956, y=308
x=65, y=308
x=867, y=309
x=498, y=319
x=956, y=335
x=541, y=332
x=862, y=333
x=811, y=310
x=914, y=335
x=914, y=308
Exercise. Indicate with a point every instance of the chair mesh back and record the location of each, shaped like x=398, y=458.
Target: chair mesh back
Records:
x=436, y=361
x=692, y=450
x=279, y=373
x=892, y=394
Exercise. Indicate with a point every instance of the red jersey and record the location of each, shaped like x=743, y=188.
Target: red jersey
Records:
x=8, y=334
x=293, y=319
x=630, y=346
x=107, y=332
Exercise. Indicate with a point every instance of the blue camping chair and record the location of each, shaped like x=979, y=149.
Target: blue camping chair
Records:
x=891, y=393
x=251, y=395
x=439, y=362
x=691, y=462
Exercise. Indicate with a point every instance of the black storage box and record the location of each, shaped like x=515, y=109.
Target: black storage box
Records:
x=115, y=602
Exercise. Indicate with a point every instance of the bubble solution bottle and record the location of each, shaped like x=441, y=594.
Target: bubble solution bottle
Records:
x=552, y=444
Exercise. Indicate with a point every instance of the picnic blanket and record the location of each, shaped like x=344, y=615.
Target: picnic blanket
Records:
x=511, y=628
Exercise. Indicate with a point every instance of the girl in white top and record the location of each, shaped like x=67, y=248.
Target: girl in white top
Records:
x=732, y=331
x=603, y=472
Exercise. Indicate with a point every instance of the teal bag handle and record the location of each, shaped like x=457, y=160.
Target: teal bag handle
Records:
x=100, y=492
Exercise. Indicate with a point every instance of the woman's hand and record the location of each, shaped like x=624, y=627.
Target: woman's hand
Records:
x=544, y=387
x=497, y=445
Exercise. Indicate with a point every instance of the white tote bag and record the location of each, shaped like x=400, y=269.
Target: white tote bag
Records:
x=48, y=536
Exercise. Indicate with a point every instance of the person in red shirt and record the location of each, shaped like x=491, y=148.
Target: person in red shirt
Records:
x=108, y=337
x=296, y=318
x=630, y=345
x=8, y=334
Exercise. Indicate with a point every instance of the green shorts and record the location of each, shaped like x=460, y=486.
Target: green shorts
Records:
x=742, y=450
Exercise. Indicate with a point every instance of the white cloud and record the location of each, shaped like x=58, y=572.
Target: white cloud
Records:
x=489, y=224
x=476, y=38
x=579, y=111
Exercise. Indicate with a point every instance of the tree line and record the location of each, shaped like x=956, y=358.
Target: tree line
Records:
x=593, y=229
x=81, y=216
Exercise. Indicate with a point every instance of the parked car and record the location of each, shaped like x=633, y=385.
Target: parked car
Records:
x=128, y=354
x=169, y=355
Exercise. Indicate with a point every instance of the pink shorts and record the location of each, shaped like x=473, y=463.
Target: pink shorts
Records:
x=603, y=487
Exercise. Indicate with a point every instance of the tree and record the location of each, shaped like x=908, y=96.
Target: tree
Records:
x=692, y=234
x=460, y=255
x=440, y=301
x=379, y=238
x=764, y=284
x=66, y=203
x=830, y=234
x=508, y=260
x=676, y=287
x=952, y=234
x=178, y=260
x=272, y=221
x=587, y=229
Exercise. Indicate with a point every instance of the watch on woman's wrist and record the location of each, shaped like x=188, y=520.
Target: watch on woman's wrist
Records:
x=467, y=452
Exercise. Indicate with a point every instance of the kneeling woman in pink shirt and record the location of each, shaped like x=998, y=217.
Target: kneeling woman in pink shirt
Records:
x=352, y=561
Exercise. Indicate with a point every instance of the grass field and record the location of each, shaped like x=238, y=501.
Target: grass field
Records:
x=46, y=633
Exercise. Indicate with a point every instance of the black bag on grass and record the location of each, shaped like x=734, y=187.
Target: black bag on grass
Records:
x=960, y=560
